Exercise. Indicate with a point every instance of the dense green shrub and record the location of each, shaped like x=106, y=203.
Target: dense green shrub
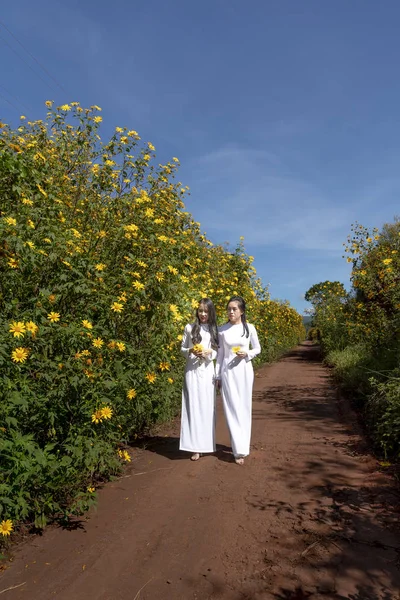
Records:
x=361, y=330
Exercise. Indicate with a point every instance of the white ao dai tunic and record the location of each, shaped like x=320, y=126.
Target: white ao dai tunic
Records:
x=237, y=376
x=198, y=396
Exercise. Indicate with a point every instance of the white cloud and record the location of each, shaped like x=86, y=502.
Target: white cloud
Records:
x=248, y=192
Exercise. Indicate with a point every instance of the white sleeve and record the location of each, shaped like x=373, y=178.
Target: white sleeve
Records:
x=255, y=344
x=220, y=357
x=186, y=344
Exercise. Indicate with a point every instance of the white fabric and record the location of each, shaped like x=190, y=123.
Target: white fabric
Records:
x=198, y=396
x=237, y=376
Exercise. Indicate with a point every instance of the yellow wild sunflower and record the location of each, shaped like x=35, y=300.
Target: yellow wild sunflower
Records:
x=19, y=355
x=106, y=412
x=98, y=342
x=6, y=527
x=17, y=328
x=117, y=307
x=53, y=317
x=32, y=328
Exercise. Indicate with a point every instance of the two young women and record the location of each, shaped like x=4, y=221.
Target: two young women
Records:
x=230, y=345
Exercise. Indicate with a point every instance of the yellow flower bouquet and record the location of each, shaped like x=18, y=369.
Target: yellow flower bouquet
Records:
x=198, y=348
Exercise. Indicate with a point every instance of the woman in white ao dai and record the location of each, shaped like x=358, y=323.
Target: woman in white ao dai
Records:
x=236, y=376
x=199, y=345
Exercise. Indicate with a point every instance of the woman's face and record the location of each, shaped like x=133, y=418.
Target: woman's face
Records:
x=202, y=312
x=234, y=312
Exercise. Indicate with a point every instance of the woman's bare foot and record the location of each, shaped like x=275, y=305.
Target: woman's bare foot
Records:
x=195, y=456
x=239, y=461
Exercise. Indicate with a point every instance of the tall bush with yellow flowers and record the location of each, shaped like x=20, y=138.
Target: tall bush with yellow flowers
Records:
x=100, y=269
x=361, y=332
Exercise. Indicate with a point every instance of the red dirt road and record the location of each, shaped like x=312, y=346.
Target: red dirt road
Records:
x=309, y=515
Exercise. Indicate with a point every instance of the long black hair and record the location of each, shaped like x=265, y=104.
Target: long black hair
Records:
x=212, y=324
x=242, y=307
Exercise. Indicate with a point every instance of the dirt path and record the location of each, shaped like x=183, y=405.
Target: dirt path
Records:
x=308, y=516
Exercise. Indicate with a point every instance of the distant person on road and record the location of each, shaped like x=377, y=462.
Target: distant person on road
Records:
x=235, y=375
x=199, y=346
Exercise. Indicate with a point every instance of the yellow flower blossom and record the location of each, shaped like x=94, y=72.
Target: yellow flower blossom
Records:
x=120, y=346
x=65, y=107
x=124, y=455
x=117, y=307
x=106, y=412
x=100, y=267
x=97, y=416
x=151, y=377
x=49, y=103
x=387, y=261
x=53, y=317
x=164, y=366
x=170, y=380
x=17, y=328
x=10, y=221
x=131, y=394
x=198, y=348
x=159, y=276
x=138, y=286
x=6, y=527
x=90, y=489
x=98, y=343
x=87, y=324
x=19, y=355
x=32, y=328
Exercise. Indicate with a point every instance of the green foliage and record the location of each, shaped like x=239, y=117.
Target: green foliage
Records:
x=361, y=331
x=351, y=367
x=314, y=334
x=383, y=410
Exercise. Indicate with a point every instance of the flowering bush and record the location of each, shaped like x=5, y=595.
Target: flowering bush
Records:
x=100, y=269
x=361, y=330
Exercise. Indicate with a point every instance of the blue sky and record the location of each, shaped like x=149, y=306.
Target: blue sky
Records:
x=284, y=114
